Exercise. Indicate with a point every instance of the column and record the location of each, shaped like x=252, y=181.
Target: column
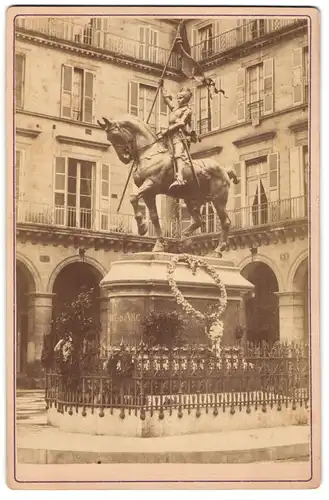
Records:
x=103, y=318
x=291, y=312
x=39, y=322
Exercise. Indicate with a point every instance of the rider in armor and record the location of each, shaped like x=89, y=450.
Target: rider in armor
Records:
x=179, y=131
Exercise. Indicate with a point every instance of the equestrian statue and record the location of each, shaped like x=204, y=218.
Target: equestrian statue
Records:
x=162, y=165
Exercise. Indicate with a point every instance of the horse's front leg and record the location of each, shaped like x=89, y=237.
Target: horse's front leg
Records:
x=152, y=208
x=141, y=222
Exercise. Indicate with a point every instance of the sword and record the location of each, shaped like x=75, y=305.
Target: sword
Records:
x=182, y=138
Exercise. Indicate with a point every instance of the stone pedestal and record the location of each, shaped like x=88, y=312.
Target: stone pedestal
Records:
x=138, y=285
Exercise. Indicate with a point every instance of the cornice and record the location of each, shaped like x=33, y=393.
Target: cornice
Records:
x=86, y=143
x=203, y=244
x=72, y=237
x=206, y=152
x=254, y=138
x=298, y=126
x=28, y=132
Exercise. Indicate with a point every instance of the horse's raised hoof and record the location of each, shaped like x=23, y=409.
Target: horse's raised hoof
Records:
x=142, y=229
x=159, y=246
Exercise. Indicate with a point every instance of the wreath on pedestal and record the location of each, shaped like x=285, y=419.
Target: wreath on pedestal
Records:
x=215, y=330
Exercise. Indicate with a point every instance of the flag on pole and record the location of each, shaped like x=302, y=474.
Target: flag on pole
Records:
x=190, y=67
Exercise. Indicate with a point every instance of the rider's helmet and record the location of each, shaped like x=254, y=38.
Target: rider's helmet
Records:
x=185, y=94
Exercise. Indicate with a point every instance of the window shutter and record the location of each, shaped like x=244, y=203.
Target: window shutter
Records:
x=154, y=45
x=142, y=42
x=60, y=191
x=193, y=101
x=105, y=181
x=297, y=76
x=268, y=76
x=133, y=98
x=67, y=84
x=241, y=95
x=216, y=39
x=147, y=46
x=215, y=106
x=18, y=155
x=19, y=79
x=88, y=96
x=195, y=52
x=238, y=191
x=296, y=172
x=273, y=175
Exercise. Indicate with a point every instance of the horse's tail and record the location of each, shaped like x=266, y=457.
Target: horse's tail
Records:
x=232, y=175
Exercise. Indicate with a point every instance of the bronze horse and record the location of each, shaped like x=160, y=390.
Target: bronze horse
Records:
x=133, y=140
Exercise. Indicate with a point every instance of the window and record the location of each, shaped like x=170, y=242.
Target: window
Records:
x=257, y=28
x=77, y=94
x=105, y=182
x=207, y=109
x=251, y=30
x=19, y=80
x=300, y=75
x=204, y=118
x=74, y=192
x=255, y=91
x=208, y=215
x=205, y=41
x=257, y=188
x=256, y=196
x=140, y=101
x=148, y=46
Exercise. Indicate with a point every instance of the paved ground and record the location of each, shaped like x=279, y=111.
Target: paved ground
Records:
x=39, y=443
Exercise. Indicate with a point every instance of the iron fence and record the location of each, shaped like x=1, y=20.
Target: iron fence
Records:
x=189, y=378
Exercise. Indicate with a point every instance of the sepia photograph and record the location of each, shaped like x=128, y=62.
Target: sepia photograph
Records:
x=163, y=251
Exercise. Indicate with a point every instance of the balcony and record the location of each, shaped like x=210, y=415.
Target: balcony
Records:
x=248, y=32
x=87, y=36
x=249, y=217
x=84, y=220
x=250, y=221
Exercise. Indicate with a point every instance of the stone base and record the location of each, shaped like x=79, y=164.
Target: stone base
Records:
x=171, y=423
x=138, y=285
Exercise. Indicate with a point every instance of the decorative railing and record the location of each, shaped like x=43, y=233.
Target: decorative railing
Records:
x=86, y=34
x=255, y=110
x=146, y=379
x=248, y=32
x=273, y=212
x=36, y=213
x=251, y=216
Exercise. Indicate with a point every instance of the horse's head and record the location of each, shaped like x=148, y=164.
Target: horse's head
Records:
x=127, y=135
x=120, y=138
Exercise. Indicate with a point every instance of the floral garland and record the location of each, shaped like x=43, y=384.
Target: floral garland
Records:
x=216, y=329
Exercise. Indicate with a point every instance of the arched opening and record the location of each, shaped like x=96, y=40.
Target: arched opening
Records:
x=25, y=284
x=262, y=307
x=72, y=280
x=300, y=286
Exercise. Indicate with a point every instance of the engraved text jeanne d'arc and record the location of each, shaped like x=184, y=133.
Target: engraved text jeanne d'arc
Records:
x=119, y=318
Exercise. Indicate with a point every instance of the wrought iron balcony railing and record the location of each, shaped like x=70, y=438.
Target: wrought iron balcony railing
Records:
x=240, y=35
x=88, y=35
x=34, y=213
x=257, y=215
x=42, y=214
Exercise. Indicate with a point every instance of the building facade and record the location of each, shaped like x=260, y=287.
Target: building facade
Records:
x=69, y=72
